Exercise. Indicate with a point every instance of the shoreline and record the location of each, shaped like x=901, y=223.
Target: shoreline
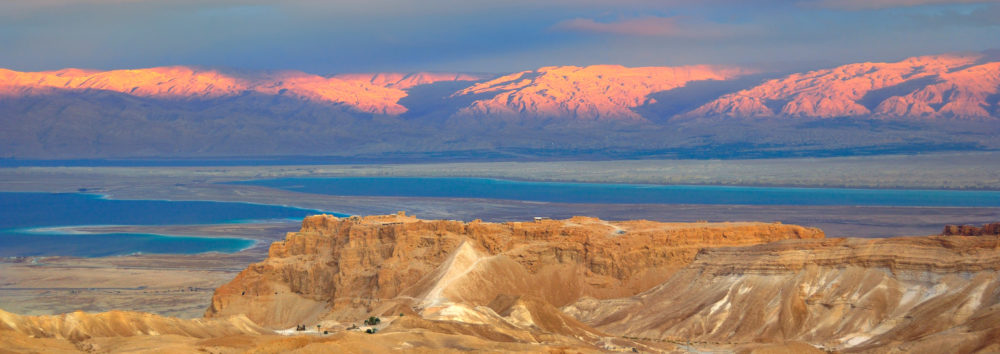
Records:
x=179, y=285
x=258, y=234
x=837, y=221
x=572, y=182
x=310, y=188
x=940, y=171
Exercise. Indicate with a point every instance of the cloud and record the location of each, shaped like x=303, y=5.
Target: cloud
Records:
x=855, y=5
x=652, y=26
x=332, y=36
x=987, y=16
x=643, y=26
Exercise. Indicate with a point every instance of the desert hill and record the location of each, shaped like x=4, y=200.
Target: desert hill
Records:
x=115, y=330
x=78, y=326
x=579, y=285
x=127, y=332
x=926, y=294
x=943, y=102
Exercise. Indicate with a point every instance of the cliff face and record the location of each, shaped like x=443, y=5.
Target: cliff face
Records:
x=347, y=268
x=927, y=294
x=967, y=230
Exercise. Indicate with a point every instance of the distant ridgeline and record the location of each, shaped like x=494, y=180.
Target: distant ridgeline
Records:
x=931, y=103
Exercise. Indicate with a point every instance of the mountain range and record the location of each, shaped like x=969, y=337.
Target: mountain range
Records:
x=941, y=102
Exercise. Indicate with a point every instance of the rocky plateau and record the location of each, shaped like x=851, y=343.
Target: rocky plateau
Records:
x=575, y=285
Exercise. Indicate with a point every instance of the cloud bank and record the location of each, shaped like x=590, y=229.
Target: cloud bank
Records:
x=653, y=26
x=327, y=37
x=883, y=4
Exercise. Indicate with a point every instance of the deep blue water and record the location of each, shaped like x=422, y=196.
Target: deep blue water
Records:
x=627, y=193
x=20, y=212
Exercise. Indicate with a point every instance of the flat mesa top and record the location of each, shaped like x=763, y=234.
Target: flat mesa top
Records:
x=617, y=227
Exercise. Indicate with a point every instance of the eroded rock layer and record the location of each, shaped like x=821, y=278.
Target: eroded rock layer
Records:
x=927, y=294
x=346, y=268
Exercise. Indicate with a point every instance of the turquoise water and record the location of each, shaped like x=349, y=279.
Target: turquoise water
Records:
x=20, y=213
x=626, y=193
x=24, y=244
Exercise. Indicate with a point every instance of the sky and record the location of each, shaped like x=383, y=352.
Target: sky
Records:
x=327, y=37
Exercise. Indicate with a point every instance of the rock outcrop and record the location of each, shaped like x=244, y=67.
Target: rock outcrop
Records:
x=348, y=268
x=927, y=294
x=992, y=229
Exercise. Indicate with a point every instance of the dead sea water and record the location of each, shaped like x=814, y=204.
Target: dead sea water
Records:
x=30, y=224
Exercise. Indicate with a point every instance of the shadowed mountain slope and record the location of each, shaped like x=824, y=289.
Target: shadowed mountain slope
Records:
x=598, y=92
x=921, y=104
x=932, y=87
x=368, y=93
